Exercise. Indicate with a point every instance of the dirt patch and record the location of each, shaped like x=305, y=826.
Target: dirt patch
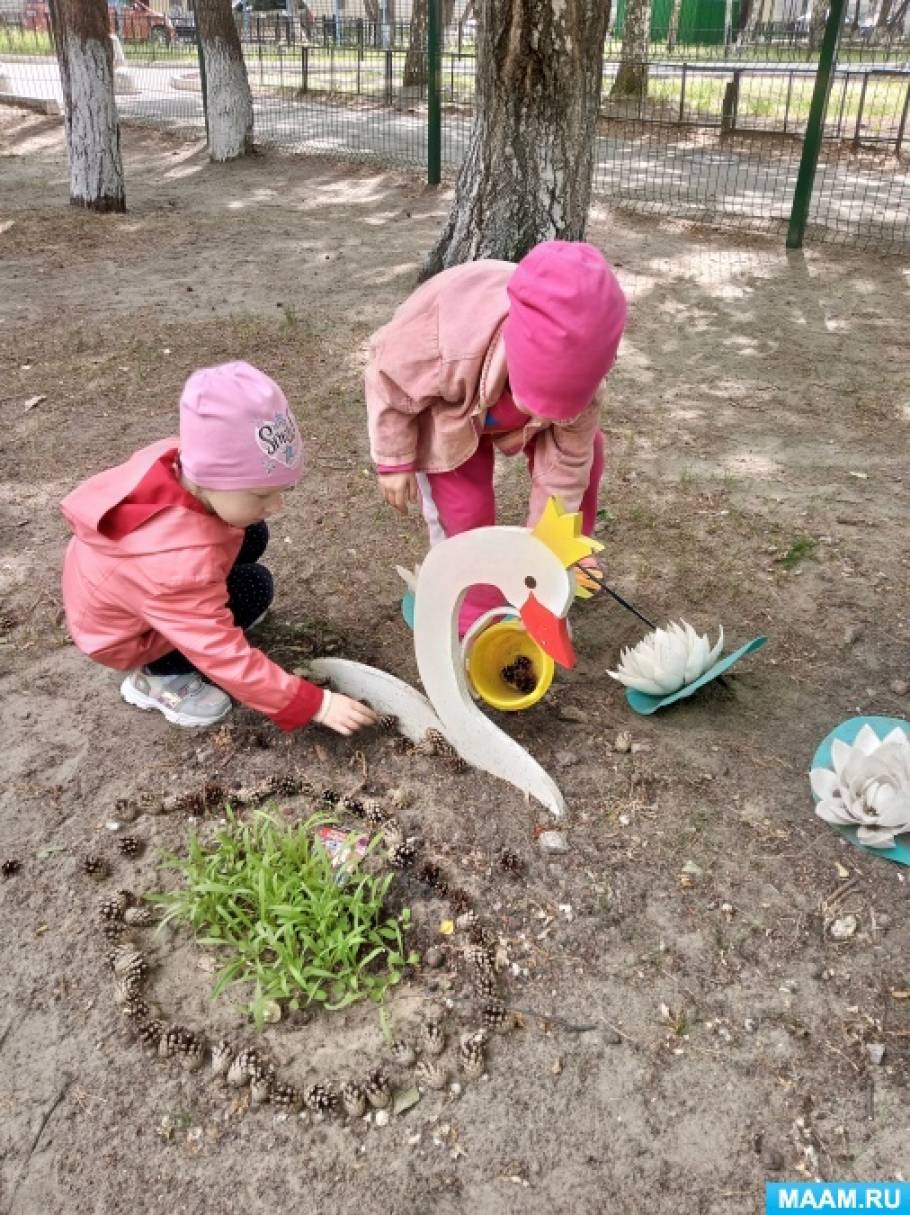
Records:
x=756, y=427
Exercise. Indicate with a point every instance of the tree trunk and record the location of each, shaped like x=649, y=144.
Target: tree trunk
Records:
x=817, y=23
x=632, y=77
x=415, y=64
x=228, y=101
x=673, y=27
x=83, y=42
x=526, y=176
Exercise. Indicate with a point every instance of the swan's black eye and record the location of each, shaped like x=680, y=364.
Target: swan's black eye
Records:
x=530, y=582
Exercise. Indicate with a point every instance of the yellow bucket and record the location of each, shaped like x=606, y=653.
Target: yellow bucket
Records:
x=497, y=647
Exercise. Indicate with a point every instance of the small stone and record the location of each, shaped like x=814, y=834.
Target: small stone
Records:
x=553, y=841
x=899, y=687
x=623, y=742
x=843, y=928
x=876, y=1052
x=573, y=713
x=565, y=759
x=382, y=1117
x=612, y=1038
x=434, y=957
x=852, y=634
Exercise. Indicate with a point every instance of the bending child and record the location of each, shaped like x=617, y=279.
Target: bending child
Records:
x=488, y=357
x=162, y=577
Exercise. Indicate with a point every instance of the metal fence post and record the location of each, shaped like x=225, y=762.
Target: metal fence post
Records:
x=902, y=125
x=434, y=92
x=802, y=195
x=859, y=113
x=304, y=68
x=388, y=76
x=682, y=96
x=202, y=82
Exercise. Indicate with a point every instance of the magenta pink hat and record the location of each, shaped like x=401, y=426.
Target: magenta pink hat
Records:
x=237, y=430
x=566, y=317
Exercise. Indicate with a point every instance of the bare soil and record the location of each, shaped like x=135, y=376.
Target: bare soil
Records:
x=757, y=430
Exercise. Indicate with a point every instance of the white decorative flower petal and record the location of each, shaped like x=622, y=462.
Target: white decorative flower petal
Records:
x=824, y=783
x=833, y=810
x=875, y=837
x=667, y=660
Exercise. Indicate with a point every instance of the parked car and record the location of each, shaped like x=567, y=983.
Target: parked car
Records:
x=131, y=20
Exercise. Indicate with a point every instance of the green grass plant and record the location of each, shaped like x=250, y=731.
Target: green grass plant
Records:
x=265, y=895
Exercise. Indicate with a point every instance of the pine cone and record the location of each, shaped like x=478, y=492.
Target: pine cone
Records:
x=403, y=855
x=493, y=1013
x=480, y=957
x=511, y=862
x=287, y=1097
x=114, y=906
x=403, y=1053
x=126, y=990
x=389, y=723
x=403, y=746
x=378, y=1089
x=432, y=743
x=459, y=901
x=431, y=875
x=353, y=805
x=10, y=867
x=136, y=1008
x=128, y=963
x=261, y=1084
x=374, y=814
x=112, y=931
x=130, y=845
x=139, y=917
x=432, y=1038
x=222, y=1057
x=287, y=785
x=149, y=1034
x=479, y=934
x=95, y=866
x=483, y=984
x=354, y=1099
x=473, y=1054
x=331, y=797
x=241, y=1070
x=431, y=1073
x=321, y=1098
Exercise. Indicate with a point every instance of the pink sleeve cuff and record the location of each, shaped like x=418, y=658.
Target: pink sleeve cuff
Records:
x=305, y=704
x=384, y=469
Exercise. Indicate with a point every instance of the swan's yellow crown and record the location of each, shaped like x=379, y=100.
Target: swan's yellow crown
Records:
x=561, y=533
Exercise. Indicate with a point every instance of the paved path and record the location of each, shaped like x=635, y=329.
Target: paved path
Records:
x=650, y=166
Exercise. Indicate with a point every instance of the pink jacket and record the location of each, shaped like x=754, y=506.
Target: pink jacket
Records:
x=162, y=587
x=440, y=364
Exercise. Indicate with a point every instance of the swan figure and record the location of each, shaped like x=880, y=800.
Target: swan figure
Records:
x=533, y=568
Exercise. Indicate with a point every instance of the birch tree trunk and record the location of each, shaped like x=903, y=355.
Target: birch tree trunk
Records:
x=673, y=27
x=86, y=60
x=632, y=77
x=526, y=176
x=228, y=101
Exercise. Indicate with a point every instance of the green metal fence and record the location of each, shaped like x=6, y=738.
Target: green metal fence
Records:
x=717, y=135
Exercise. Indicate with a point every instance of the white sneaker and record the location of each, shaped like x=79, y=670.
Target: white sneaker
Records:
x=185, y=700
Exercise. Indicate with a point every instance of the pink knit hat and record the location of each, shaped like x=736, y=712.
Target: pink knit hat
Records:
x=237, y=430
x=566, y=317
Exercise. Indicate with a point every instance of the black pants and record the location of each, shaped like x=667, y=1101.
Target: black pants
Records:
x=250, y=591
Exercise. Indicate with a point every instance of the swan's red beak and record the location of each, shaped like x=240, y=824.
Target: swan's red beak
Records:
x=550, y=632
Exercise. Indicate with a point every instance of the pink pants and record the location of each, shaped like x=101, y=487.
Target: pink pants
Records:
x=460, y=500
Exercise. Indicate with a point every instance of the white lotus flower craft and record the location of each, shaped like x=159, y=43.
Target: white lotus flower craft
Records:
x=667, y=660
x=868, y=788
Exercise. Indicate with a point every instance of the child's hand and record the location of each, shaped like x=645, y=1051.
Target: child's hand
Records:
x=398, y=489
x=589, y=574
x=347, y=716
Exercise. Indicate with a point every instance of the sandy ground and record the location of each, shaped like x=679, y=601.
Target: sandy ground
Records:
x=759, y=409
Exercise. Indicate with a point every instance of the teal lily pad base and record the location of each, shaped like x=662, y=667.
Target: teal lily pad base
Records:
x=847, y=732
x=644, y=704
